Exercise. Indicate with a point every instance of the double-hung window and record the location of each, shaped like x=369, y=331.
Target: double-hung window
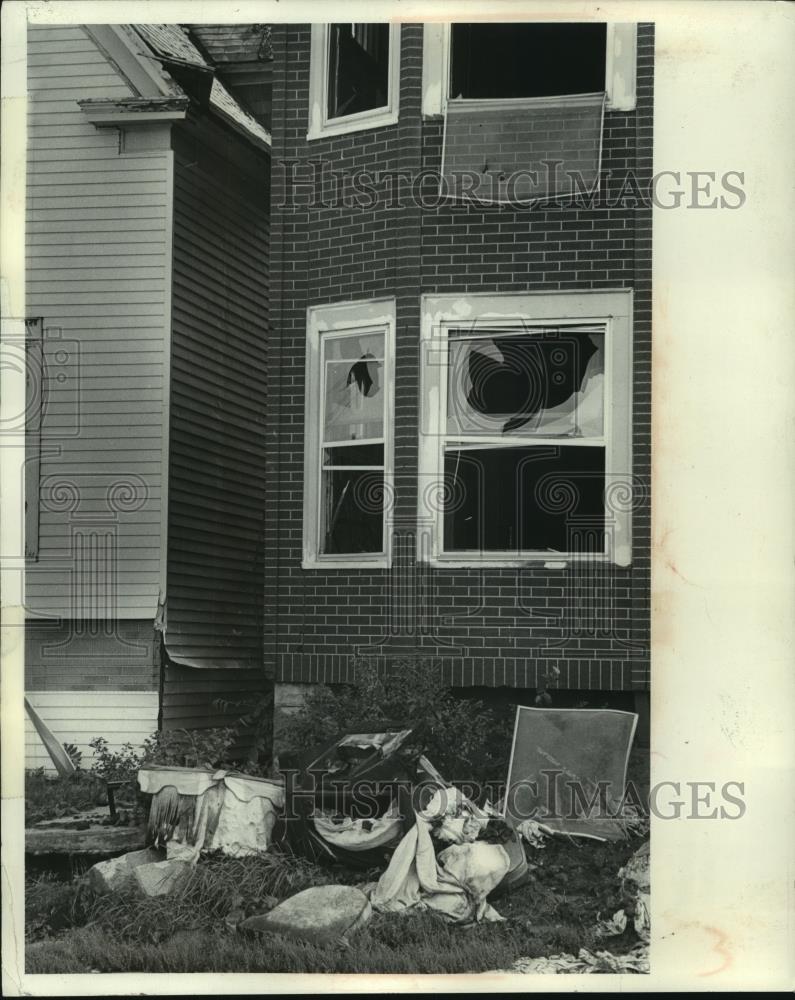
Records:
x=354, y=77
x=525, y=428
x=348, y=447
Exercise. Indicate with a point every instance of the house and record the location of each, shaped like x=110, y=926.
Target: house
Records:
x=148, y=310
x=458, y=459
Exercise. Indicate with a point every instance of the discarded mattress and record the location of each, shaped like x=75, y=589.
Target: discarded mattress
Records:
x=568, y=770
x=195, y=810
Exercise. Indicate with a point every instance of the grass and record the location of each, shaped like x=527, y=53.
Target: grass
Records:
x=556, y=912
x=391, y=943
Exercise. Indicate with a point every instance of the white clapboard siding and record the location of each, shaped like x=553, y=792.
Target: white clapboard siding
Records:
x=78, y=716
x=97, y=268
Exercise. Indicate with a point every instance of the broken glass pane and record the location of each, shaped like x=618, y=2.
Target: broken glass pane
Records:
x=352, y=511
x=535, y=499
x=358, y=68
x=353, y=388
x=369, y=455
x=549, y=383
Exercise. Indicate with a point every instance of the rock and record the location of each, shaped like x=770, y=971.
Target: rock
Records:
x=116, y=875
x=322, y=914
x=161, y=878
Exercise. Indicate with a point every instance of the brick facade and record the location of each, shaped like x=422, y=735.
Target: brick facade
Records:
x=504, y=626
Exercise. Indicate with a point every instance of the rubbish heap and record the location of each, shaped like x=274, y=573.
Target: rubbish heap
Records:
x=373, y=801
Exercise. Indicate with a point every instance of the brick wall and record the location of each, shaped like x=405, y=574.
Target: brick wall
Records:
x=487, y=626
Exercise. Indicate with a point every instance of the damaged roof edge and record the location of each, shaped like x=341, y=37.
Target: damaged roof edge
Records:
x=141, y=54
x=170, y=44
x=101, y=111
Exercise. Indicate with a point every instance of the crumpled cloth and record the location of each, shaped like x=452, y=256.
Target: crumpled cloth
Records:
x=457, y=819
x=234, y=814
x=455, y=885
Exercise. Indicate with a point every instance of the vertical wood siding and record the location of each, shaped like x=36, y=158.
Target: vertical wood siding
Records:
x=217, y=433
x=96, y=274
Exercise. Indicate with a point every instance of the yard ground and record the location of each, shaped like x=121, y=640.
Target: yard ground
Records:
x=573, y=884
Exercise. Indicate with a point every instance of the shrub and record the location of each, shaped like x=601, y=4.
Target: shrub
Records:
x=189, y=747
x=464, y=739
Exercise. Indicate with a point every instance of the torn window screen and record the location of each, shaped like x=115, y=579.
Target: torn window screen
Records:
x=520, y=499
x=492, y=61
x=548, y=383
x=358, y=68
x=352, y=449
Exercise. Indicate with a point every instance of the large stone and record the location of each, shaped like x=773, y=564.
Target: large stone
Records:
x=116, y=874
x=322, y=914
x=161, y=878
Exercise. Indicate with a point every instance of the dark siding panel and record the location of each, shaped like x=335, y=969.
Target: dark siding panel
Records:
x=217, y=436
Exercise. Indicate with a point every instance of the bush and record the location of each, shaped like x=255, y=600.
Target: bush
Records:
x=464, y=739
x=189, y=748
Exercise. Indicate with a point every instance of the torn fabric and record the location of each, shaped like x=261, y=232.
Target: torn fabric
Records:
x=455, y=884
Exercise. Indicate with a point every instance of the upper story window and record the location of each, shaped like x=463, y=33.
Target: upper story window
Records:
x=348, y=444
x=354, y=78
x=525, y=432
x=490, y=61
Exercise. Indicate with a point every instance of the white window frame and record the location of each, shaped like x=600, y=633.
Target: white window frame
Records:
x=620, y=69
x=440, y=313
x=320, y=125
x=343, y=318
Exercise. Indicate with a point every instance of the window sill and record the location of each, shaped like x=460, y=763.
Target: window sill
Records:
x=377, y=562
x=544, y=561
x=354, y=123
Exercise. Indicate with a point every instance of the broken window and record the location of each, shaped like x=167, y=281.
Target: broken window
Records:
x=524, y=115
x=354, y=77
x=517, y=384
x=358, y=68
x=525, y=443
x=348, y=451
x=491, y=61
x=352, y=476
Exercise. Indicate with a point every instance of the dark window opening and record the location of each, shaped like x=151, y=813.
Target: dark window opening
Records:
x=524, y=499
x=358, y=68
x=491, y=61
x=353, y=511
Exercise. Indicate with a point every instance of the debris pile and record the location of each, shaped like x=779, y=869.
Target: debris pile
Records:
x=372, y=802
